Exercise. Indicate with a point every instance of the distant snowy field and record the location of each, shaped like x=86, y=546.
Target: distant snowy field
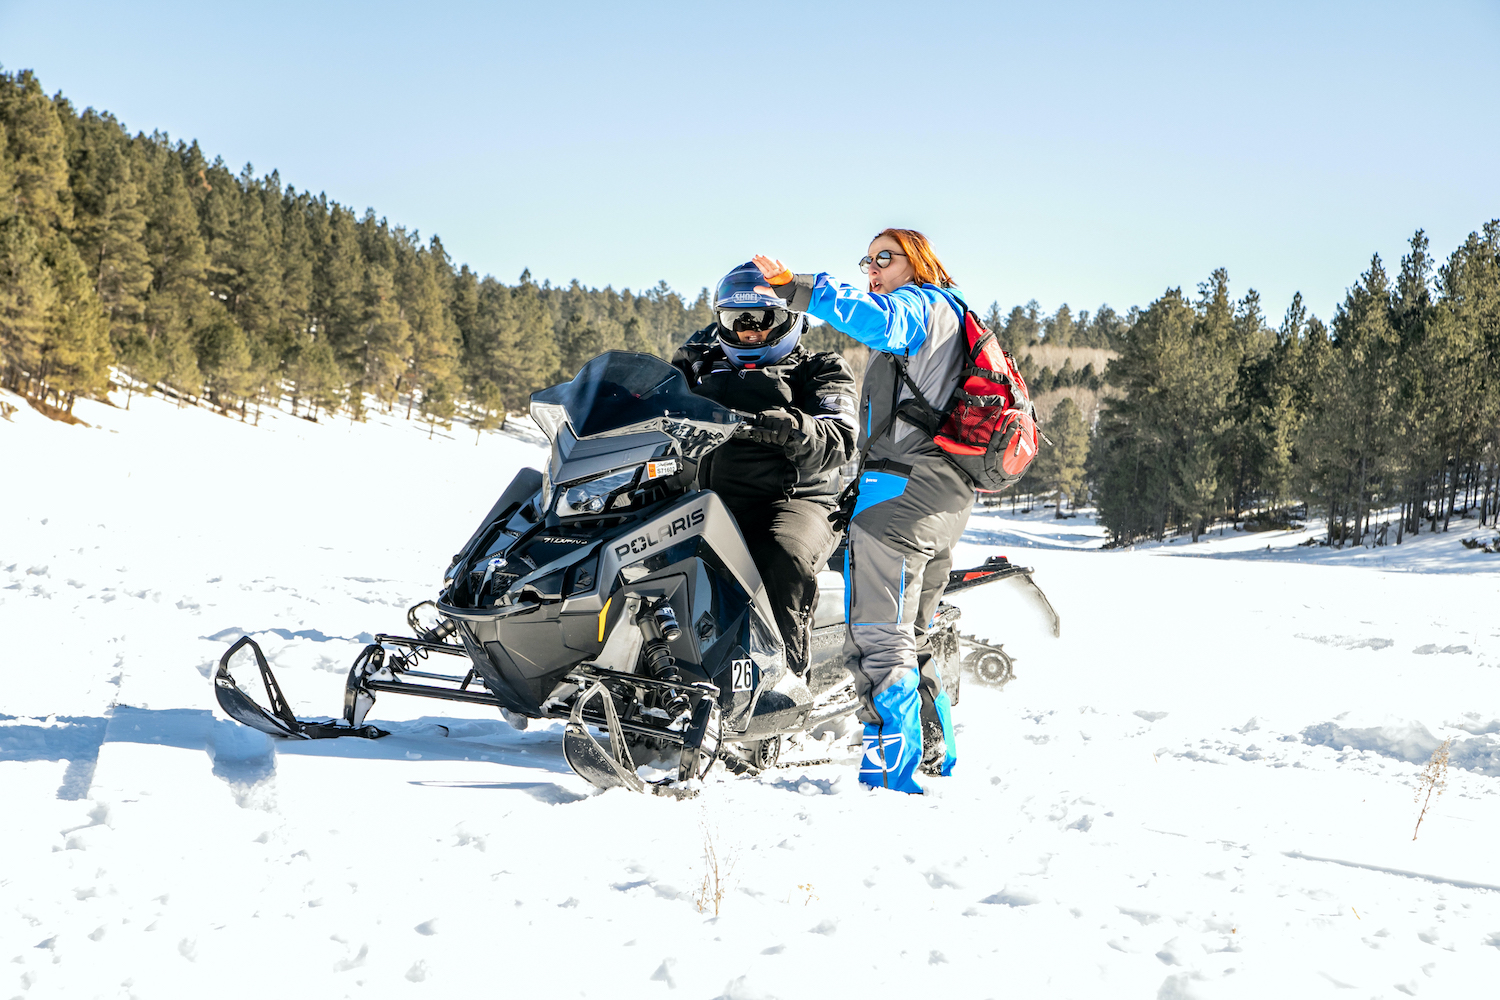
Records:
x=1203, y=789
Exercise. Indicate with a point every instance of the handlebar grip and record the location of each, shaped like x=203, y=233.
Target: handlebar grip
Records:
x=747, y=421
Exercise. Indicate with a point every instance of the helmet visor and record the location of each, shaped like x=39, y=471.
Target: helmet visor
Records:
x=757, y=320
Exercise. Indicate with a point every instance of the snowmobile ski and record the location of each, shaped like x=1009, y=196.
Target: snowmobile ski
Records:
x=279, y=721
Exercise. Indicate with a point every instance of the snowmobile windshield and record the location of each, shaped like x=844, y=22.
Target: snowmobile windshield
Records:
x=621, y=393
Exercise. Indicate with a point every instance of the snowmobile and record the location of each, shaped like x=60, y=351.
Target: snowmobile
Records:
x=608, y=592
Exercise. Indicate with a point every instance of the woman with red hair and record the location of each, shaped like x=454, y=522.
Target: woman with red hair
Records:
x=912, y=503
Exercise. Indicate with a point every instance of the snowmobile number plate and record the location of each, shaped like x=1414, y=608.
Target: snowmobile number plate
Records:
x=742, y=675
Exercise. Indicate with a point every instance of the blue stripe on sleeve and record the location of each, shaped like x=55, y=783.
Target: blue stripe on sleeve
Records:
x=894, y=322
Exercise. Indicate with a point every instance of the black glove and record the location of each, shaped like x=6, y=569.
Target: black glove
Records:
x=774, y=427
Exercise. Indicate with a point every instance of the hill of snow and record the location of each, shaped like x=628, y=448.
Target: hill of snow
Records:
x=1203, y=789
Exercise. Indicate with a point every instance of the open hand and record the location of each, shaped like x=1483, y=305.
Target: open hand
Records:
x=771, y=269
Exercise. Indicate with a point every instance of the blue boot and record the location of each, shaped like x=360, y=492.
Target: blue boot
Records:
x=893, y=747
x=940, y=749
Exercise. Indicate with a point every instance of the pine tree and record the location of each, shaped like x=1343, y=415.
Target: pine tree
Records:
x=1163, y=449
x=28, y=296
x=533, y=356
x=577, y=342
x=1105, y=328
x=1276, y=414
x=1059, y=327
x=175, y=249
x=1059, y=468
x=437, y=405
x=7, y=176
x=1350, y=436
x=316, y=376
x=224, y=357
x=36, y=151
x=1465, y=346
x=635, y=337
x=1244, y=442
x=435, y=340
x=1066, y=376
x=386, y=341
x=1022, y=328
x=247, y=262
x=338, y=283
x=489, y=405
x=76, y=353
x=110, y=220
x=1132, y=459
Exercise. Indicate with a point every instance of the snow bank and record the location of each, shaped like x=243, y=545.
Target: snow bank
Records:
x=1411, y=742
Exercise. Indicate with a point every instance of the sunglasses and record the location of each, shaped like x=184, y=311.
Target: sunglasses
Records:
x=740, y=320
x=881, y=260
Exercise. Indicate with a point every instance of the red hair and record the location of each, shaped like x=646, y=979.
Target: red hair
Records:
x=928, y=269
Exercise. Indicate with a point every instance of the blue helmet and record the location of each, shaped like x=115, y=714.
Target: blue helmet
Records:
x=739, y=308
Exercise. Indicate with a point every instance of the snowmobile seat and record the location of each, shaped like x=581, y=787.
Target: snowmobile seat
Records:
x=830, y=609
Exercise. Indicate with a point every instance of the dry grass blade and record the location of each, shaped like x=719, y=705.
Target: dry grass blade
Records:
x=1433, y=780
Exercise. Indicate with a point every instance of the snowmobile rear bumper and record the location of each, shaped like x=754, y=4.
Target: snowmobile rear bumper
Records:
x=1001, y=568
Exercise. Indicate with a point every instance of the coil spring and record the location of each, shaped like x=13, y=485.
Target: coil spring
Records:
x=663, y=666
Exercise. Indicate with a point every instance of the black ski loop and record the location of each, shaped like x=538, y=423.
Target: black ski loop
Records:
x=885, y=774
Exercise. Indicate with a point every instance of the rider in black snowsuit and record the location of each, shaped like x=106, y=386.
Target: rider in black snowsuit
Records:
x=780, y=478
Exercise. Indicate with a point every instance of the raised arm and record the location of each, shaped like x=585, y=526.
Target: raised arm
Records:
x=894, y=322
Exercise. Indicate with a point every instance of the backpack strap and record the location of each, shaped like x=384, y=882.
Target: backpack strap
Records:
x=844, y=509
x=916, y=411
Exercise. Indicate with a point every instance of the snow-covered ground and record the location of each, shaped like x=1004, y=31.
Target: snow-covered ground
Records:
x=1203, y=789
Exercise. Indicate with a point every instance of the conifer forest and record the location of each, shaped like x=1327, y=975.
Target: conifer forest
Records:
x=136, y=264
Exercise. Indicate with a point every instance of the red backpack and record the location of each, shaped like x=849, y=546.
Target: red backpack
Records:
x=988, y=429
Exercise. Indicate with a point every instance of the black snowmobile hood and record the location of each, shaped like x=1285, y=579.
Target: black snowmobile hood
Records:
x=622, y=393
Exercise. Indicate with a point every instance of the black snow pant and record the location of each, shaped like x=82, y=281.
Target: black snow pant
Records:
x=790, y=540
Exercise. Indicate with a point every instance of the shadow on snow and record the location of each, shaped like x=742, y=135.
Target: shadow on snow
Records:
x=242, y=756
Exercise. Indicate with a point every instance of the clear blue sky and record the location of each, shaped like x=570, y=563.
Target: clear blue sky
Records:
x=1072, y=152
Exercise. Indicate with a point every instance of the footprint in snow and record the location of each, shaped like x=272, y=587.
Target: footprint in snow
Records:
x=938, y=880
x=1348, y=641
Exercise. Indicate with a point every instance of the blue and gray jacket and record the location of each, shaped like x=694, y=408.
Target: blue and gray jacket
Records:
x=915, y=325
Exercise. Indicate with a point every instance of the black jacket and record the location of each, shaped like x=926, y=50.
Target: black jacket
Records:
x=815, y=388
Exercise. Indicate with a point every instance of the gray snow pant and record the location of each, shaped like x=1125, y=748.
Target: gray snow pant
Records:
x=900, y=551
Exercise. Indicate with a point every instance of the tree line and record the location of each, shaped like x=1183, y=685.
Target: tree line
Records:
x=138, y=254
x=1393, y=406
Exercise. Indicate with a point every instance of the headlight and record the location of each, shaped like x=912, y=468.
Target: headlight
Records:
x=593, y=496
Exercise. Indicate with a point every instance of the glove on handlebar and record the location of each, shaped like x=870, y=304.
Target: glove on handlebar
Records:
x=774, y=427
